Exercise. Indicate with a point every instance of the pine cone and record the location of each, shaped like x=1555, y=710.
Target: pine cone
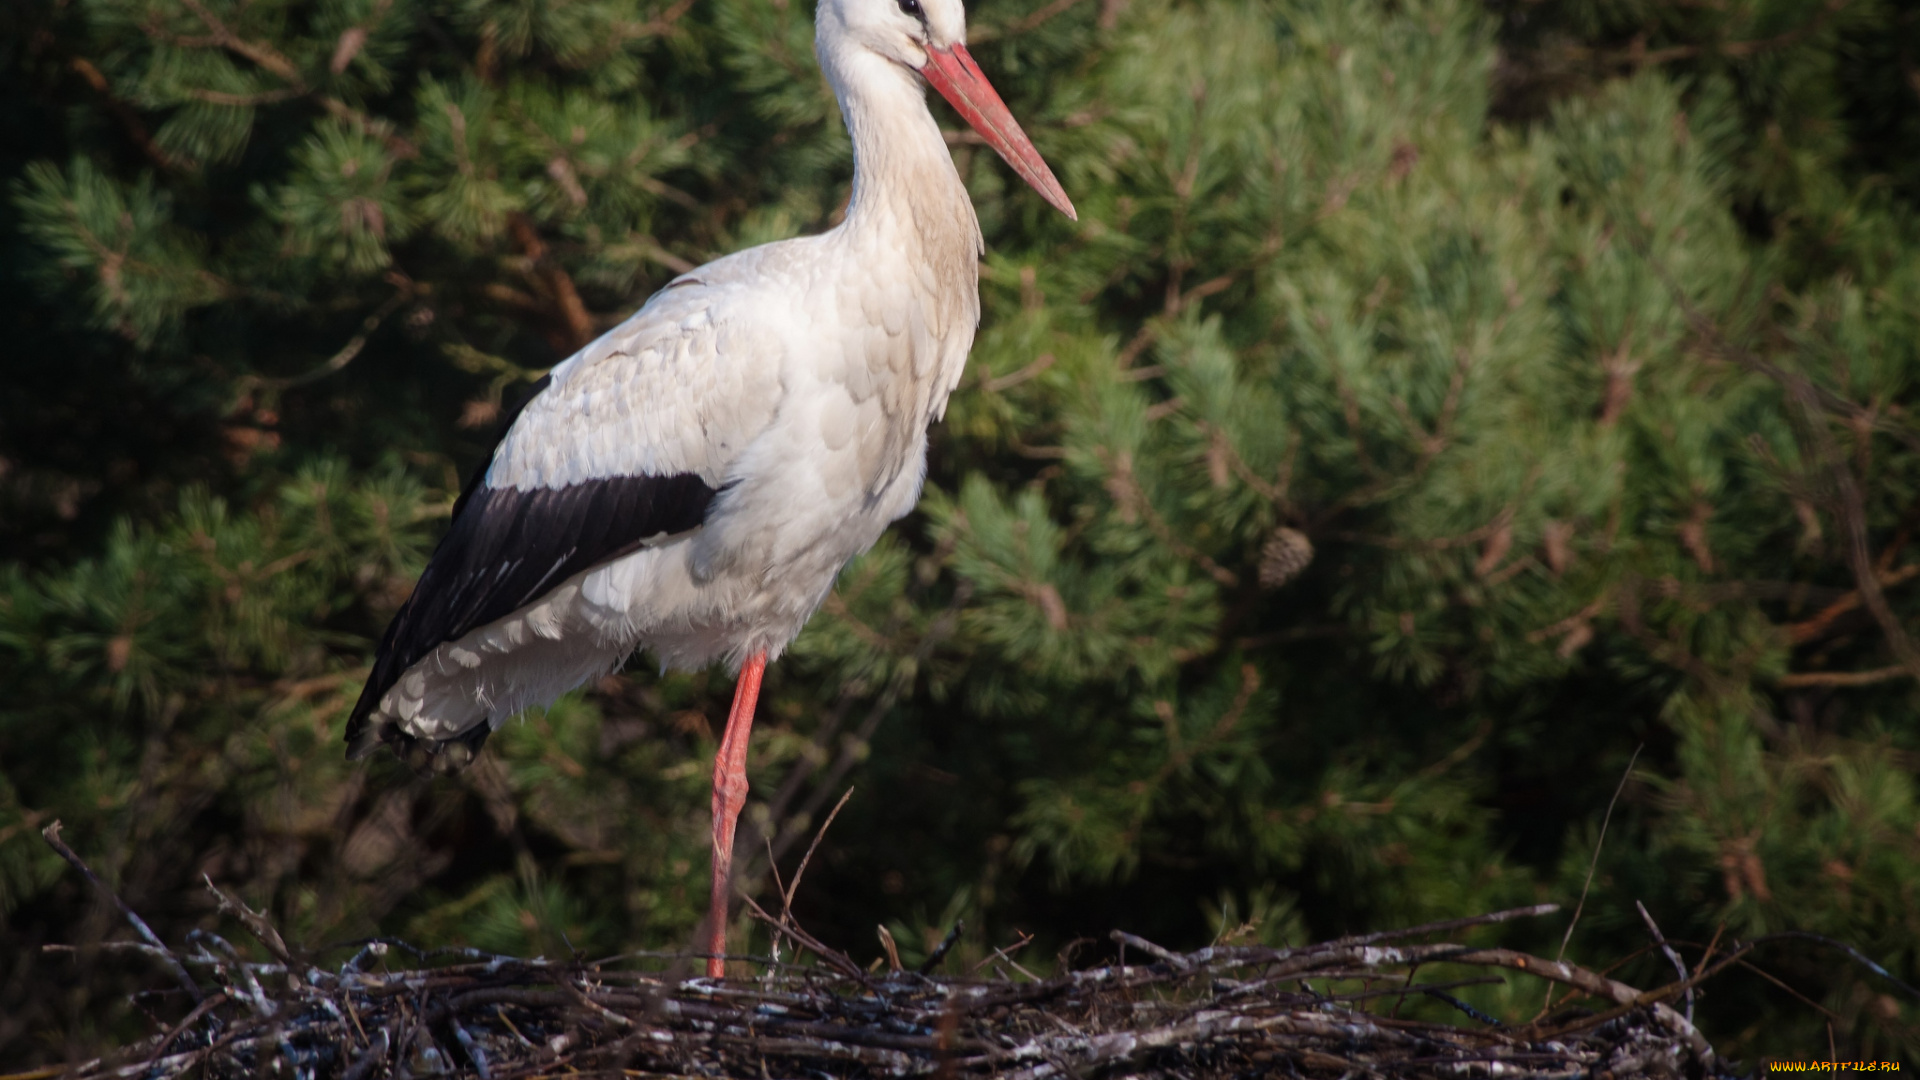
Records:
x=1286, y=553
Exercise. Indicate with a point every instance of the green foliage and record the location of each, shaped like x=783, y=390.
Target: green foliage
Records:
x=145, y=269
x=1579, y=345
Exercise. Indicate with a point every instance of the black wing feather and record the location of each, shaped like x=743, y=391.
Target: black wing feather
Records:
x=506, y=549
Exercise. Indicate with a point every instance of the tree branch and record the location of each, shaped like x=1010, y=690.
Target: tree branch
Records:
x=1844, y=678
x=52, y=836
x=1848, y=503
x=123, y=113
x=571, y=310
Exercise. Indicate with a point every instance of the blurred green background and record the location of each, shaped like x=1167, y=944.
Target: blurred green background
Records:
x=1435, y=403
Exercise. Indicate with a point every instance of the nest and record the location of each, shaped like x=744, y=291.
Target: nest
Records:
x=1328, y=1010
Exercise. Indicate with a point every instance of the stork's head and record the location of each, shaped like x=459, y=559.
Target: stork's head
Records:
x=928, y=38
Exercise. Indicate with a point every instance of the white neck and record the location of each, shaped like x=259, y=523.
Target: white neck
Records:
x=904, y=184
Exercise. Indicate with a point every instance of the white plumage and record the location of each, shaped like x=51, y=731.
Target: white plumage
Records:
x=692, y=482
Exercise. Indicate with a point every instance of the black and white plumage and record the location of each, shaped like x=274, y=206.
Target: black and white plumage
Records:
x=692, y=482
x=507, y=548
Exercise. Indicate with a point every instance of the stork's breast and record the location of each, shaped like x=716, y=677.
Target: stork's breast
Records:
x=886, y=355
x=837, y=417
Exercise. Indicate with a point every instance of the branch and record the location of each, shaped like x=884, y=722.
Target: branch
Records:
x=1802, y=632
x=265, y=56
x=1126, y=491
x=1594, y=864
x=219, y=35
x=786, y=897
x=1640, y=56
x=1672, y=957
x=1851, y=508
x=338, y=360
x=52, y=836
x=572, y=310
x=122, y=112
x=256, y=924
x=246, y=101
x=851, y=751
x=1844, y=678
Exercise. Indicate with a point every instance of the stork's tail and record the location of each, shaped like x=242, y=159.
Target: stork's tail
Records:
x=368, y=729
x=425, y=756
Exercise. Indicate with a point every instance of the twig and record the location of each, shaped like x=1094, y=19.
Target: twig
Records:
x=566, y=298
x=340, y=359
x=253, y=993
x=780, y=889
x=52, y=836
x=1002, y=954
x=1630, y=1002
x=786, y=899
x=1640, y=56
x=1178, y=962
x=1797, y=995
x=1808, y=630
x=1009, y=381
x=1593, y=865
x=1441, y=995
x=1133, y=499
x=1844, y=678
x=1856, y=955
x=832, y=956
x=893, y=949
x=850, y=751
x=472, y=1048
x=941, y=950
x=256, y=924
x=1659, y=939
x=122, y=112
x=213, y=1001
x=1449, y=925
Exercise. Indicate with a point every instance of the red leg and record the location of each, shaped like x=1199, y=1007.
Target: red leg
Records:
x=729, y=795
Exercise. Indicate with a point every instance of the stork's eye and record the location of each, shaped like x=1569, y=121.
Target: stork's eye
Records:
x=912, y=7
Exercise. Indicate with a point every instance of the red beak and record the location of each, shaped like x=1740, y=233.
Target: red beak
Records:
x=959, y=80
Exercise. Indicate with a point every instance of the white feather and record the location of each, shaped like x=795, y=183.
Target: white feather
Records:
x=797, y=379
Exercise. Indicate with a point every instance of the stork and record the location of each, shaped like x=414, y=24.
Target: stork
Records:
x=692, y=482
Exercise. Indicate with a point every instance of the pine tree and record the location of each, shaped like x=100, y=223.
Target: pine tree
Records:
x=1436, y=407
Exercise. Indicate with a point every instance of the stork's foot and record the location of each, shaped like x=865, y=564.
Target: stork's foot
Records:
x=729, y=796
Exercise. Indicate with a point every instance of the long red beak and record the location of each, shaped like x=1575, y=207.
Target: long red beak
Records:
x=959, y=80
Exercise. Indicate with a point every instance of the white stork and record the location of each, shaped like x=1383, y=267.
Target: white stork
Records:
x=692, y=482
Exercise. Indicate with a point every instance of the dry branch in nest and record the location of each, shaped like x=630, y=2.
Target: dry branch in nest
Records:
x=391, y=1010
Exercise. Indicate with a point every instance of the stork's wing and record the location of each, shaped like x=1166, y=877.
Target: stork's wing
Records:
x=626, y=442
